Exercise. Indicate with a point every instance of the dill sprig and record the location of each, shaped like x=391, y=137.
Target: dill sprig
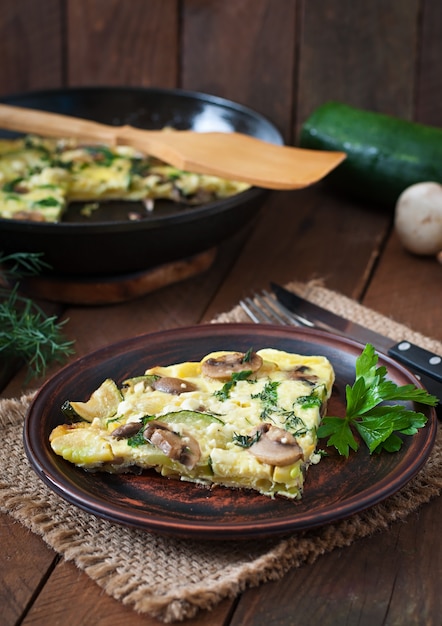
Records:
x=21, y=264
x=246, y=441
x=26, y=332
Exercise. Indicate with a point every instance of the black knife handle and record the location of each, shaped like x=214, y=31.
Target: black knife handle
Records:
x=433, y=387
x=418, y=359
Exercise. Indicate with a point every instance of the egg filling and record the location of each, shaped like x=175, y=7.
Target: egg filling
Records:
x=241, y=420
x=39, y=177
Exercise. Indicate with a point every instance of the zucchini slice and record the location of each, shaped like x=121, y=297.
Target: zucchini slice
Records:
x=102, y=404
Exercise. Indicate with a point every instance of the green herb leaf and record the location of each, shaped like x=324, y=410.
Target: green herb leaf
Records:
x=21, y=264
x=379, y=425
x=102, y=154
x=246, y=441
x=340, y=434
x=12, y=184
x=248, y=356
x=309, y=402
x=269, y=399
x=138, y=439
x=26, y=332
x=47, y=202
x=223, y=393
x=294, y=423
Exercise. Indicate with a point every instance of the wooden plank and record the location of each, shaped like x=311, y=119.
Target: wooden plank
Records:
x=378, y=580
x=244, y=51
x=30, y=45
x=122, y=43
x=363, y=54
x=94, y=606
x=306, y=235
x=20, y=575
x=429, y=81
x=397, y=273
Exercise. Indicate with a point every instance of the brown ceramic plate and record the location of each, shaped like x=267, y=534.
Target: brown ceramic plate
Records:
x=335, y=488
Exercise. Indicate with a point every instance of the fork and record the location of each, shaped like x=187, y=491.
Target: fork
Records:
x=265, y=309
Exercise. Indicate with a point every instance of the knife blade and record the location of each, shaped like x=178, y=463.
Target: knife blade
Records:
x=426, y=365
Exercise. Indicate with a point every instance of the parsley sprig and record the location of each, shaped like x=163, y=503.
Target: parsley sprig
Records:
x=379, y=425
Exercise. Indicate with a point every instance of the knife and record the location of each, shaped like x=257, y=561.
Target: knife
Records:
x=425, y=365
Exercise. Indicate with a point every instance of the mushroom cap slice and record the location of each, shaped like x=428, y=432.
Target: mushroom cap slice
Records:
x=303, y=373
x=222, y=367
x=176, y=386
x=179, y=447
x=276, y=446
x=127, y=430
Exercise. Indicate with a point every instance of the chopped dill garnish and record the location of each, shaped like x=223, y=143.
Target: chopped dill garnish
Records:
x=269, y=398
x=295, y=424
x=246, y=441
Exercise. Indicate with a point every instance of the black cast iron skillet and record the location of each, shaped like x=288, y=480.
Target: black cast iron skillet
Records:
x=109, y=243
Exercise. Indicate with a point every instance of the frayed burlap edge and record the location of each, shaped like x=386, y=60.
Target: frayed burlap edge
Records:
x=172, y=579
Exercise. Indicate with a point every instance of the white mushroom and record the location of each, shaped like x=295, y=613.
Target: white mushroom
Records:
x=127, y=430
x=176, y=386
x=223, y=366
x=276, y=446
x=303, y=373
x=418, y=218
x=179, y=447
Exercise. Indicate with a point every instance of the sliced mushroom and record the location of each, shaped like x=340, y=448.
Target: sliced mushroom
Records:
x=222, y=367
x=33, y=216
x=20, y=188
x=275, y=446
x=168, y=384
x=302, y=373
x=179, y=447
x=126, y=430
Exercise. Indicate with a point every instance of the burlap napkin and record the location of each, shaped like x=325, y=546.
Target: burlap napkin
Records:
x=172, y=579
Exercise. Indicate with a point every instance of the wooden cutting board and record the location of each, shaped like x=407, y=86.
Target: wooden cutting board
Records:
x=114, y=289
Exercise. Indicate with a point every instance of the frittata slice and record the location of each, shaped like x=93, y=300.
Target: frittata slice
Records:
x=241, y=420
x=39, y=177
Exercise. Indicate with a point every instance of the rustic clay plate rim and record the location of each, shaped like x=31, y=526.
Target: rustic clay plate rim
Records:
x=335, y=489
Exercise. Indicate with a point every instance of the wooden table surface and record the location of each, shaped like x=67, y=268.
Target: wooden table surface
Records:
x=394, y=577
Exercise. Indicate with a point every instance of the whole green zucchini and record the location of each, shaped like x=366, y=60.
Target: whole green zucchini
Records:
x=385, y=154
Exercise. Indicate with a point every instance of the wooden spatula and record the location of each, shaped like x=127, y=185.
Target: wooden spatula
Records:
x=233, y=156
